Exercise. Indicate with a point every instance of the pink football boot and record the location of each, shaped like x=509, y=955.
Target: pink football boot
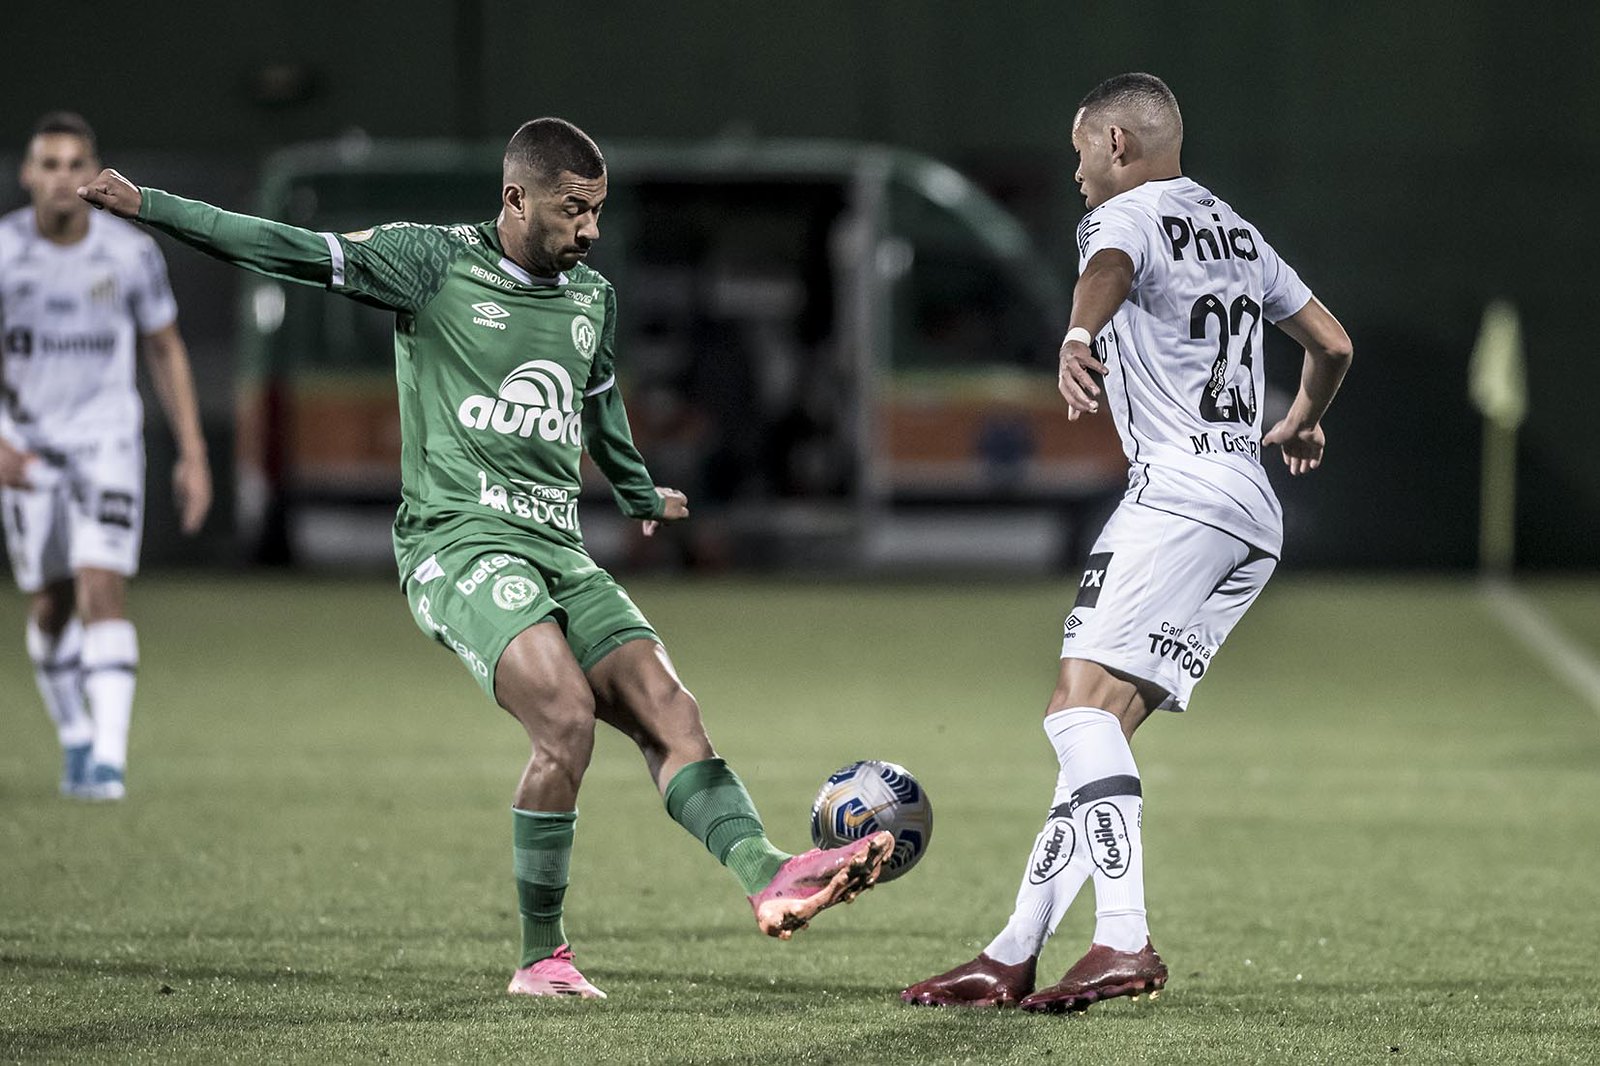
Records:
x=813, y=881
x=555, y=976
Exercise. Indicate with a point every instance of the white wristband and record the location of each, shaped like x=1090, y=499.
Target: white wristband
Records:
x=1079, y=334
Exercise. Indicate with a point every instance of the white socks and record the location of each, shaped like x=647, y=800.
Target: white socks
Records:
x=1093, y=828
x=110, y=659
x=1058, y=866
x=1109, y=812
x=57, y=672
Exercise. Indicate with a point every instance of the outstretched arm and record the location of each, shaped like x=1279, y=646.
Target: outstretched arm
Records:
x=1328, y=356
x=398, y=266
x=168, y=359
x=271, y=248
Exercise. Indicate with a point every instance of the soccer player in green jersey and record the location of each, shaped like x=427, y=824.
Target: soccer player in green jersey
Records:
x=505, y=361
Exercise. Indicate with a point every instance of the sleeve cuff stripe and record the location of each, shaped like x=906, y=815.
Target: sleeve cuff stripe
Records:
x=336, y=253
x=602, y=387
x=167, y=317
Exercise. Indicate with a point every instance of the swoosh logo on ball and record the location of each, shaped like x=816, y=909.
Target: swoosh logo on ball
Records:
x=854, y=819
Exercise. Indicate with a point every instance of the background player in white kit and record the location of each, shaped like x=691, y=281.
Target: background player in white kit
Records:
x=1166, y=330
x=79, y=291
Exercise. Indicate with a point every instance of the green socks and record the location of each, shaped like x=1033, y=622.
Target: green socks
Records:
x=706, y=798
x=542, y=851
x=710, y=801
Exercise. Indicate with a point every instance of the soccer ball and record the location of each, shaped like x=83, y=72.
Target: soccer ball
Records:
x=870, y=795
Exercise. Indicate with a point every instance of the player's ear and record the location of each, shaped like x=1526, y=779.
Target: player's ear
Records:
x=1119, y=143
x=515, y=197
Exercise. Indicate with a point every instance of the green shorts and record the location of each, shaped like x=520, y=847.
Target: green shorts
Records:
x=475, y=595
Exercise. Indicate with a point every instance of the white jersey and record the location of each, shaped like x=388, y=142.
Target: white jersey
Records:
x=70, y=320
x=1184, y=353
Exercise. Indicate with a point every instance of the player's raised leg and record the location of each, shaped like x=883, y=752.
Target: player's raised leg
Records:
x=110, y=661
x=55, y=647
x=538, y=681
x=639, y=693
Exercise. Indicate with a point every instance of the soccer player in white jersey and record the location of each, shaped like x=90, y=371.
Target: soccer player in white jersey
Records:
x=79, y=291
x=1166, y=331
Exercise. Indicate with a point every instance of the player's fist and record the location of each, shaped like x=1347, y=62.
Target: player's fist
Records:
x=191, y=489
x=675, y=507
x=112, y=192
x=1080, y=379
x=1302, y=445
x=14, y=467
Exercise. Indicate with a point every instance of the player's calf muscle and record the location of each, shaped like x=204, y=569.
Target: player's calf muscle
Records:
x=678, y=737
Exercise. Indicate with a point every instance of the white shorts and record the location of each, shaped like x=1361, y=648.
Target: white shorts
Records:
x=1160, y=595
x=86, y=511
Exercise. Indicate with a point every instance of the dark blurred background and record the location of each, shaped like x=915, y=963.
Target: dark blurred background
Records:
x=1414, y=161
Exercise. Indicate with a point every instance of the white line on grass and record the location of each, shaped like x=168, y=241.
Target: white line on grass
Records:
x=1525, y=621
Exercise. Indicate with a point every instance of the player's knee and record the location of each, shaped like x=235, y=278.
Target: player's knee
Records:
x=51, y=610
x=101, y=595
x=538, y=700
x=563, y=738
x=550, y=703
x=1083, y=683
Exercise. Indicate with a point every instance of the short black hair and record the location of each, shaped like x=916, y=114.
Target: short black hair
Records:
x=65, y=122
x=549, y=147
x=1144, y=96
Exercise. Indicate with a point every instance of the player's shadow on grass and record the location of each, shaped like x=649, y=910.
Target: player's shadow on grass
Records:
x=263, y=974
x=177, y=993
x=809, y=988
x=962, y=1036
x=228, y=1027
x=742, y=931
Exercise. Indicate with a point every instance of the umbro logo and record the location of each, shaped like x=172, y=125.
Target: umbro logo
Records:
x=489, y=314
x=1208, y=202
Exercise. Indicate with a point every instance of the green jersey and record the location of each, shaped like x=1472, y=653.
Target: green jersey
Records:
x=504, y=379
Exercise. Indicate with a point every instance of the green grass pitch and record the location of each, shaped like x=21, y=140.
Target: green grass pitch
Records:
x=1375, y=838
